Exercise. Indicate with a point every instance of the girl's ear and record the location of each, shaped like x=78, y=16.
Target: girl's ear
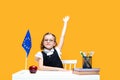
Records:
x=55, y=44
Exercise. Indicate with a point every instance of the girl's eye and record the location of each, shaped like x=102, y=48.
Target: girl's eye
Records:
x=46, y=40
x=49, y=40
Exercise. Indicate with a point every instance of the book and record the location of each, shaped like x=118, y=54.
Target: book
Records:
x=81, y=71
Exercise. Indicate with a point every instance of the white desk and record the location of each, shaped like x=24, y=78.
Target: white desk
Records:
x=51, y=75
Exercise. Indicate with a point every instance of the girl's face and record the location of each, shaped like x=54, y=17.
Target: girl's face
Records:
x=49, y=42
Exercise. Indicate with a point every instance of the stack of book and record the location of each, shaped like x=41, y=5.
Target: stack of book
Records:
x=81, y=71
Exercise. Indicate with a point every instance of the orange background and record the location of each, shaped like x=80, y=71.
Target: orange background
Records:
x=94, y=25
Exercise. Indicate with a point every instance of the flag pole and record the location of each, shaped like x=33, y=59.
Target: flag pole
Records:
x=26, y=63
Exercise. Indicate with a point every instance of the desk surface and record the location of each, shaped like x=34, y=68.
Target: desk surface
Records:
x=51, y=75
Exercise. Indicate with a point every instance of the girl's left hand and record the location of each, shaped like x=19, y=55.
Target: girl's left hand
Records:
x=66, y=18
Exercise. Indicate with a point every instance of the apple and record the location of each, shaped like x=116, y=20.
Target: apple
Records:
x=33, y=69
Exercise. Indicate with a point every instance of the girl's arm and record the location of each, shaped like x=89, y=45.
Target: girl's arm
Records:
x=65, y=19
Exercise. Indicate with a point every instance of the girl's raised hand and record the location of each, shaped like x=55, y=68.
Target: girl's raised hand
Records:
x=66, y=18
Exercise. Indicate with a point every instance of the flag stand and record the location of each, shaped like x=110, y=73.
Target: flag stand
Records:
x=26, y=63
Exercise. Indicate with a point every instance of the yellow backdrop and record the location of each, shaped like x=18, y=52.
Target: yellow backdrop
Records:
x=94, y=25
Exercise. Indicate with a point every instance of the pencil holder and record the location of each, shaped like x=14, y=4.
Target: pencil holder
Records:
x=87, y=62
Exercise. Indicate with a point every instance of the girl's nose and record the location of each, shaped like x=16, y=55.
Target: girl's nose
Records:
x=48, y=41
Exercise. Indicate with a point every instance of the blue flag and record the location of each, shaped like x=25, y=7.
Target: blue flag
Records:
x=27, y=43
